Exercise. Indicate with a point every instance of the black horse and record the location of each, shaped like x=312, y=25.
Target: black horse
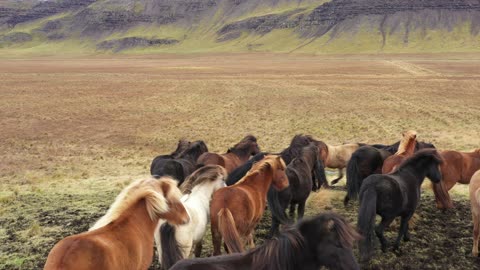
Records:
x=183, y=165
x=300, y=172
x=241, y=171
x=181, y=146
x=325, y=240
x=368, y=160
x=394, y=195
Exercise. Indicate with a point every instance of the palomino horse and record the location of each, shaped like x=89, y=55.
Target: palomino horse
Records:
x=175, y=242
x=475, y=206
x=368, y=160
x=405, y=150
x=393, y=195
x=323, y=241
x=300, y=173
x=123, y=238
x=235, y=210
x=458, y=167
x=295, y=150
x=235, y=156
x=182, y=166
x=181, y=146
x=338, y=157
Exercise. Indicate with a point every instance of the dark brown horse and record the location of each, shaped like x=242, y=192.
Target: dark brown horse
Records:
x=300, y=173
x=235, y=210
x=323, y=241
x=183, y=165
x=181, y=146
x=123, y=238
x=406, y=149
x=235, y=156
x=295, y=150
x=458, y=167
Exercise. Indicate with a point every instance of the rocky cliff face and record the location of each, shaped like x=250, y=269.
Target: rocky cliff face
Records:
x=228, y=20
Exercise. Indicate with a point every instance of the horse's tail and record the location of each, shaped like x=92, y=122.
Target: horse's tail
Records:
x=366, y=221
x=441, y=195
x=319, y=173
x=171, y=252
x=353, y=180
x=275, y=199
x=228, y=230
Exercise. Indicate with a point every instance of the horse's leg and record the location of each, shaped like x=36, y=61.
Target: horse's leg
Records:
x=250, y=241
x=274, y=227
x=340, y=176
x=403, y=230
x=476, y=235
x=198, y=249
x=385, y=223
x=291, y=212
x=301, y=210
x=217, y=242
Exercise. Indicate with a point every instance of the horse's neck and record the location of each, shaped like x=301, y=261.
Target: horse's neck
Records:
x=414, y=170
x=259, y=181
x=410, y=149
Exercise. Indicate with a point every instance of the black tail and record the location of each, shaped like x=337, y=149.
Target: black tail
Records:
x=366, y=221
x=171, y=252
x=353, y=180
x=278, y=202
x=319, y=173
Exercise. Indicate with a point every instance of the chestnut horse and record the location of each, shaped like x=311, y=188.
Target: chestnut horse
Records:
x=235, y=210
x=406, y=149
x=235, y=156
x=338, y=157
x=458, y=167
x=475, y=207
x=123, y=238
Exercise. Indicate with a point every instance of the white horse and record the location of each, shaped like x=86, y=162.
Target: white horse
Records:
x=176, y=242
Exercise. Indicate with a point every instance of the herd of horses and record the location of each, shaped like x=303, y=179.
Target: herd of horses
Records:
x=191, y=187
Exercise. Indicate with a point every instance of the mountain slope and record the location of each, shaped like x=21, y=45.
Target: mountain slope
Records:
x=313, y=26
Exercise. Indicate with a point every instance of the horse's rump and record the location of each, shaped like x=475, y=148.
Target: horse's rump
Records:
x=211, y=159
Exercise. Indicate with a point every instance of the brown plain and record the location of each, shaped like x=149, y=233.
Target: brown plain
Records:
x=87, y=127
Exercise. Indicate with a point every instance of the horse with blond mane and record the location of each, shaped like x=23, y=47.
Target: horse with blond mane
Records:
x=235, y=210
x=458, y=167
x=123, y=238
x=405, y=150
x=235, y=156
x=175, y=242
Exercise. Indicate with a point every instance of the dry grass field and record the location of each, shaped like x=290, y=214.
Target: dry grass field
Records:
x=75, y=131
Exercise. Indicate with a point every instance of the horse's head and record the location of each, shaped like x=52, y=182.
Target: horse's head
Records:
x=176, y=213
x=330, y=240
x=280, y=179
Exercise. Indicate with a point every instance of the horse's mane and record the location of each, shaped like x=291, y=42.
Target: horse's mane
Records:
x=241, y=171
x=194, y=150
x=207, y=173
x=295, y=147
x=409, y=138
x=282, y=252
x=155, y=200
x=182, y=145
x=421, y=154
x=269, y=161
